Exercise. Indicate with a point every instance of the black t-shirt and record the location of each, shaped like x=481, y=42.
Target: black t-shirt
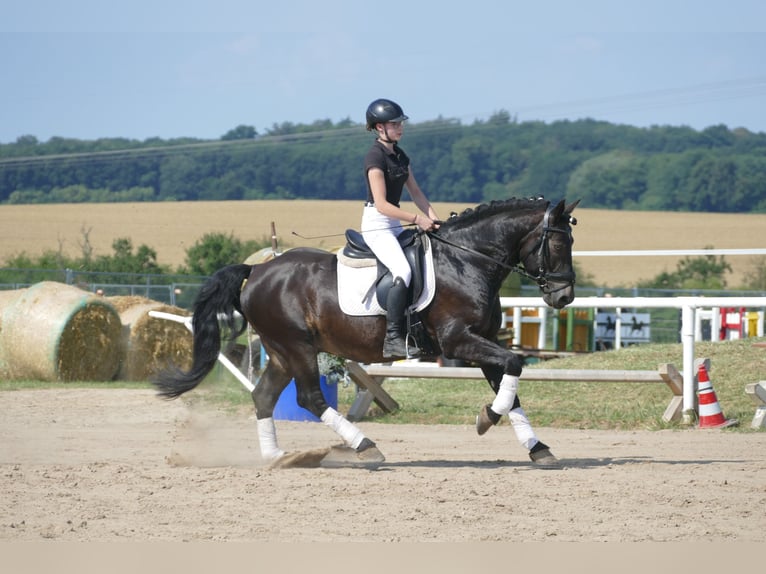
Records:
x=395, y=166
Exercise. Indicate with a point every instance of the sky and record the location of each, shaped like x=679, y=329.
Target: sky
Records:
x=140, y=69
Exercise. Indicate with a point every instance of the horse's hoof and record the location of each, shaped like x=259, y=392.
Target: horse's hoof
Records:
x=486, y=419
x=347, y=457
x=305, y=459
x=541, y=455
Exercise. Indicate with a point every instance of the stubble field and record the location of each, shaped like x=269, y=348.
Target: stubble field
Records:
x=171, y=228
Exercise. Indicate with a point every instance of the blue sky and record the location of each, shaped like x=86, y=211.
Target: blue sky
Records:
x=164, y=68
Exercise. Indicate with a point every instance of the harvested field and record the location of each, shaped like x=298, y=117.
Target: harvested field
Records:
x=171, y=228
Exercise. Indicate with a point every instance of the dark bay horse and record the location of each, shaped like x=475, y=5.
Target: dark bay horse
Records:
x=292, y=303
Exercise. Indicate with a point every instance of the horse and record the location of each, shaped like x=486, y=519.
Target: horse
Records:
x=636, y=325
x=292, y=302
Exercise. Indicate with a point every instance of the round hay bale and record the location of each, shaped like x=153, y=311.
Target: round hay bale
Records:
x=57, y=332
x=149, y=344
x=7, y=297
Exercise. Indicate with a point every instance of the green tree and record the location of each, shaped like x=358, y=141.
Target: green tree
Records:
x=241, y=132
x=125, y=260
x=216, y=250
x=711, y=184
x=706, y=272
x=614, y=180
x=755, y=278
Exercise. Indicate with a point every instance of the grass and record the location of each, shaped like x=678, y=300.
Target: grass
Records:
x=624, y=406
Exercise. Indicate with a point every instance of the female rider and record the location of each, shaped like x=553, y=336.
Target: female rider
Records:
x=387, y=170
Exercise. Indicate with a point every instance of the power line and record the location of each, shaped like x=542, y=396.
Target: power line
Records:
x=652, y=99
x=179, y=149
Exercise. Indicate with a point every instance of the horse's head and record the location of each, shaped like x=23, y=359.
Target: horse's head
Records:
x=549, y=256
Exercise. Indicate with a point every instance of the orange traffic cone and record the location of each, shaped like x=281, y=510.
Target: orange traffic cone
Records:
x=711, y=416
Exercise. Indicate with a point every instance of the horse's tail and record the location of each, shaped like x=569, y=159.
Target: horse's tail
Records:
x=217, y=300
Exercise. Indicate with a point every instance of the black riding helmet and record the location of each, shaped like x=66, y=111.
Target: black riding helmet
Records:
x=382, y=111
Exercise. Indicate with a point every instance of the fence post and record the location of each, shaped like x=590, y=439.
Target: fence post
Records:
x=687, y=340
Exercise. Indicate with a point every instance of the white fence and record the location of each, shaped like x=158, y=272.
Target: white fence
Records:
x=689, y=307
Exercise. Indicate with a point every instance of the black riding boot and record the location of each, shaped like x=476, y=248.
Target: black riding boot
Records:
x=395, y=344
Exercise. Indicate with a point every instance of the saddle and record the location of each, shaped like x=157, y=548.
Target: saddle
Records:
x=412, y=246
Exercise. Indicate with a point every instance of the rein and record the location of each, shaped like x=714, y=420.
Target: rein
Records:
x=513, y=268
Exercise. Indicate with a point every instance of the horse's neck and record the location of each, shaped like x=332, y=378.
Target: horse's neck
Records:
x=498, y=239
x=499, y=236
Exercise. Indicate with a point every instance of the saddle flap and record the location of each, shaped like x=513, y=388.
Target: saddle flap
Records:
x=357, y=248
x=358, y=281
x=414, y=253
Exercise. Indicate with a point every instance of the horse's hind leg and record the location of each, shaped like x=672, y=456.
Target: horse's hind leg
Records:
x=309, y=394
x=265, y=396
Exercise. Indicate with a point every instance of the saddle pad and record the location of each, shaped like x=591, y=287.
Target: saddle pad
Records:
x=356, y=284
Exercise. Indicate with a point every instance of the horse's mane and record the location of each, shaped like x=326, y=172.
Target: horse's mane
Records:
x=515, y=205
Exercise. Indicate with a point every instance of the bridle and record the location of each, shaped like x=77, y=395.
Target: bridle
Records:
x=543, y=277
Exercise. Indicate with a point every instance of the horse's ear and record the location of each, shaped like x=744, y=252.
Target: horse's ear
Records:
x=568, y=211
x=571, y=206
x=558, y=211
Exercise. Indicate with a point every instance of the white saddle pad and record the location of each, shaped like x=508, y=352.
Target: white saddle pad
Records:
x=356, y=283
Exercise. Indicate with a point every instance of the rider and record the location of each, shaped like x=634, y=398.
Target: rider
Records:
x=387, y=170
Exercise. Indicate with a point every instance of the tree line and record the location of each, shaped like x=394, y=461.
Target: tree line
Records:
x=665, y=168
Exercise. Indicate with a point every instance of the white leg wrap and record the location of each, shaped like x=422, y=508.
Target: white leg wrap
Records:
x=522, y=428
x=267, y=437
x=350, y=434
x=505, y=395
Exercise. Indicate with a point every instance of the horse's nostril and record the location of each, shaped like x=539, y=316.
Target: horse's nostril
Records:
x=564, y=300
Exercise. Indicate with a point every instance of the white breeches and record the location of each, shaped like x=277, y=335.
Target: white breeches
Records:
x=380, y=233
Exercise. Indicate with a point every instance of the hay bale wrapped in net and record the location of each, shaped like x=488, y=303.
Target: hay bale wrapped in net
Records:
x=149, y=344
x=56, y=332
x=7, y=297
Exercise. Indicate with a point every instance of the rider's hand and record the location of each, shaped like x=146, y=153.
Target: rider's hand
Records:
x=425, y=223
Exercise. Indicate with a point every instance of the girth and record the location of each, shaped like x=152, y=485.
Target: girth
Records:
x=409, y=240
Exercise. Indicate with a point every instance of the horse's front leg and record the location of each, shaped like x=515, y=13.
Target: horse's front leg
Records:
x=490, y=415
x=502, y=369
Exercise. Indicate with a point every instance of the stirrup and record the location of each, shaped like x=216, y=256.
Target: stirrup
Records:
x=412, y=351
